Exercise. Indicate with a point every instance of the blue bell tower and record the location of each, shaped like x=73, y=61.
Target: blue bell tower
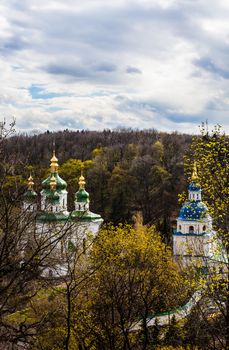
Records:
x=194, y=234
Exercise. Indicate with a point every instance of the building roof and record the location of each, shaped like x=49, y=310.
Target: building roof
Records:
x=52, y=217
x=60, y=183
x=193, y=211
x=192, y=234
x=85, y=216
x=53, y=192
x=82, y=195
x=30, y=195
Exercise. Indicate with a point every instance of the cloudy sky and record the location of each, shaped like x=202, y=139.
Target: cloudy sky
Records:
x=96, y=64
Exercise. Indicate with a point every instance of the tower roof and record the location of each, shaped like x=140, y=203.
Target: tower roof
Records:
x=193, y=211
x=82, y=195
x=82, y=198
x=30, y=195
x=60, y=183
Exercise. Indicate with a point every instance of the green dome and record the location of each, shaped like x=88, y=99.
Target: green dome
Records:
x=30, y=195
x=60, y=183
x=82, y=195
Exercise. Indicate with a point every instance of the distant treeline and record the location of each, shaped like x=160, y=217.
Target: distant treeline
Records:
x=130, y=172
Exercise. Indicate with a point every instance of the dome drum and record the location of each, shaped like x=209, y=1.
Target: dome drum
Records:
x=194, y=186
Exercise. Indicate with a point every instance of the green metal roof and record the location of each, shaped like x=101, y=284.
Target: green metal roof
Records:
x=85, y=216
x=60, y=183
x=30, y=195
x=48, y=217
x=82, y=195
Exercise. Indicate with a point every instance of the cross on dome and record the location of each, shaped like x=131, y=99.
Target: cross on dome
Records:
x=30, y=183
x=54, y=163
x=194, y=177
x=53, y=183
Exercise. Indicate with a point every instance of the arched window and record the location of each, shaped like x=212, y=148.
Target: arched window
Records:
x=204, y=228
x=179, y=227
x=197, y=196
x=191, y=229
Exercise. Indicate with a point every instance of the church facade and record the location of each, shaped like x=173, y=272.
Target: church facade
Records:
x=66, y=231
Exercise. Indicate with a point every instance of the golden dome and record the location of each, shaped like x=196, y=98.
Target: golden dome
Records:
x=54, y=163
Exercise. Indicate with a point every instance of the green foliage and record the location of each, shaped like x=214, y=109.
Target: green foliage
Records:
x=135, y=277
x=130, y=276
x=211, y=153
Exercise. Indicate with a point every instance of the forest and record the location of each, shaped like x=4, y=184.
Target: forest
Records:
x=137, y=180
x=126, y=171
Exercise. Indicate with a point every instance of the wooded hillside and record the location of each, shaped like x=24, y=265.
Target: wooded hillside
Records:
x=127, y=171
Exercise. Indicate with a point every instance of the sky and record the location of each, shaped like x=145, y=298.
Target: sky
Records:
x=99, y=64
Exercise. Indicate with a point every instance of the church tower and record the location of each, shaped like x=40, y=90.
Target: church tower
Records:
x=30, y=197
x=67, y=231
x=194, y=235
x=82, y=212
x=53, y=196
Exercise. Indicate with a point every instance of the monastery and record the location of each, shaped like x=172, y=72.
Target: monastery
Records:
x=193, y=238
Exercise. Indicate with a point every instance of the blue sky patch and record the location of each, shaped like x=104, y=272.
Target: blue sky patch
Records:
x=37, y=92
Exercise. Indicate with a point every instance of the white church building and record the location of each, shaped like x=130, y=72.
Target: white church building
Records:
x=67, y=231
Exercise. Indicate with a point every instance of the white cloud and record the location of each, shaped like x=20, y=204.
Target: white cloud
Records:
x=148, y=63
